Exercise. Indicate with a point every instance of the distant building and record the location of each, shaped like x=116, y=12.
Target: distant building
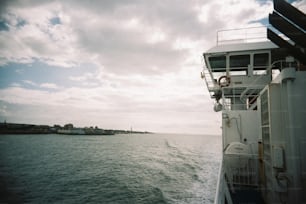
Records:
x=68, y=126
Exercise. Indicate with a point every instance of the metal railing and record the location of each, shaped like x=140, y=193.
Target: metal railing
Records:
x=222, y=191
x=253, y=89
x=238, y=35
x=241, y=170
x=211, y=83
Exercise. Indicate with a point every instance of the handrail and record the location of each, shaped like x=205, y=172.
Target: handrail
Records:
x=222, y=190
x=250, y=34
x=220, y=185
x=254, y=87
x=211, y=84
x=246, y=174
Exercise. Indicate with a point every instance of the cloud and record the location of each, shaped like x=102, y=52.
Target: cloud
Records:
x=30, y=82
x=146, y=102
x=49, y=85
x=126, y=62
x=36, y=38
x=42, y=85
x=120, y=36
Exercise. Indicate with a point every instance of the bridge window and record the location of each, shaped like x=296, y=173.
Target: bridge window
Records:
x=218, y=63
x=261, y=60
x=239, y=62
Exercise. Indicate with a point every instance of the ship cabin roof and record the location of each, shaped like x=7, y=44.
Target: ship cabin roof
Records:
x=238, y=57
x=225, y=48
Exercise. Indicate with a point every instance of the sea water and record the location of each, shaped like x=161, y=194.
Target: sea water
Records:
x=128, y=168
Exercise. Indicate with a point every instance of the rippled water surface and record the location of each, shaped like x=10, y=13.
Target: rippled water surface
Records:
x=150, y=168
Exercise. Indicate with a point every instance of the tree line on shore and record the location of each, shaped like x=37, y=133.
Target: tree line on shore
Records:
x=16, y=128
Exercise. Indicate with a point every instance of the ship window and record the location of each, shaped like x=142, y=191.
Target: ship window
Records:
x=239, y=62
x=217, y=63
x=261, y=60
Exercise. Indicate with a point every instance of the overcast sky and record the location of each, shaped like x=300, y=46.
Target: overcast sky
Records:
x=115, y=64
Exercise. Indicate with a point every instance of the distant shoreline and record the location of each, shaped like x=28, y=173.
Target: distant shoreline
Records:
x=68, y=129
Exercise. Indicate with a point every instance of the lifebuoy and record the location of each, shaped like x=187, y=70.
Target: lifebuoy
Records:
x=223, y=83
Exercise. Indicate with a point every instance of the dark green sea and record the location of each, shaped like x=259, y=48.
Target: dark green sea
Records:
x=135, y=168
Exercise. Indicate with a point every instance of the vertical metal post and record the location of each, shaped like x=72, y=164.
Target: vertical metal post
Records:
x=293, y=173
x=294, y=159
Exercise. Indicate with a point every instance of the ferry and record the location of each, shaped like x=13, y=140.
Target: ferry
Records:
x=259, y=87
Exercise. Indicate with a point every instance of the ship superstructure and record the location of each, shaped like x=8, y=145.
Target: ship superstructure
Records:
x=259, y=85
